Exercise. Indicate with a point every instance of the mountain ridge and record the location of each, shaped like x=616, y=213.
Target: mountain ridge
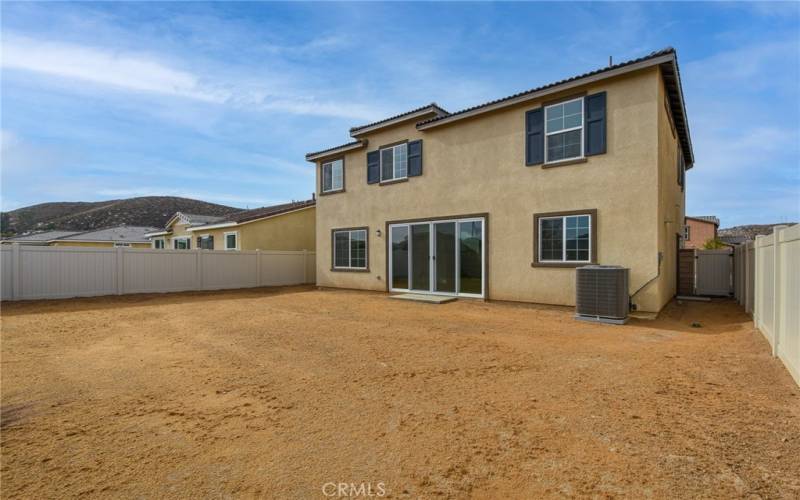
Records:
x=86, y=215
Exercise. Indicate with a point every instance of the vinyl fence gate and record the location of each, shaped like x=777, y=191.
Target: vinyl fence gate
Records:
x=714, y=270
x=705, y=272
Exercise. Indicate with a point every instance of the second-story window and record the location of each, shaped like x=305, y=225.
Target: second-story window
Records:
x=564, y=131
x=333, y=176
x=394, y=162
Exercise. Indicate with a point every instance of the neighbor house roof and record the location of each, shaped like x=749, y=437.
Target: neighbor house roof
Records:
x=41, y=237
x=118, y=234
x=705, y=218
x=734, y=240
x=666, y=59
x=193, y=219
x=254, y=214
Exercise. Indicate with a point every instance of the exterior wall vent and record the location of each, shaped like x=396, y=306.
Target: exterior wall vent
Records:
x=602, y=294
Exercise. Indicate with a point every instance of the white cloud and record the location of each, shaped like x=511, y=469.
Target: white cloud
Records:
x=124, y=71
x=145, y=73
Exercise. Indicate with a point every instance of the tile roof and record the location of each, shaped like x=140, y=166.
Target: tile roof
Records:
x=200, y=219
x=118, y=233
x=315, y=153
x=432, y=106
x=666, y=51
x=259, y=213
x=734, y=240
x=42, y=237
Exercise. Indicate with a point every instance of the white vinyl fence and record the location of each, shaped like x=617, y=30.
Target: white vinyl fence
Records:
x=42, y=272
x=776, y=292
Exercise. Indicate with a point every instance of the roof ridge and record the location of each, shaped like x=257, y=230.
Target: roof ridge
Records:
x=656, y=53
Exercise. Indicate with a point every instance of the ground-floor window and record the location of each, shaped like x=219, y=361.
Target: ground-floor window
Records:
x=182, y=243
x=122, y=244
x=158, y=244
x=205, y=242
x=565, y=238
x=350, y=249
x=232, y=240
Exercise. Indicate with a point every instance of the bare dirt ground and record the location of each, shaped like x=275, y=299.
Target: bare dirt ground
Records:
x=266, y=393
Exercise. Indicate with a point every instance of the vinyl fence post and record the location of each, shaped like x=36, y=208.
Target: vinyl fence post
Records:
x=305, y=266
x=16, y=270
x=757, y=288
x=198, y=268
x=258, y=267
x=777, y=232
x=120, y=270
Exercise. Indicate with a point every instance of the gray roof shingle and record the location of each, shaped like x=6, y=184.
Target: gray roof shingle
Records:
x=116, y=234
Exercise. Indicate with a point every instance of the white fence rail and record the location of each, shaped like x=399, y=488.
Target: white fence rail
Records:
x=41, y=272
x=776, y=292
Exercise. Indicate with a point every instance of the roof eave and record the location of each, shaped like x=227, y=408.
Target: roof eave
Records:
x=417, y=115
x=550, y=90
x=254, y=219
x=336, y=151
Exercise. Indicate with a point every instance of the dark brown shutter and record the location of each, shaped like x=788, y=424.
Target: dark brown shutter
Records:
x=373, y=167
x=534, y=137
x=415, y=158
x=595, y=127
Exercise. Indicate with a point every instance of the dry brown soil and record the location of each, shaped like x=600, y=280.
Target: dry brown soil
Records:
x=275, y=393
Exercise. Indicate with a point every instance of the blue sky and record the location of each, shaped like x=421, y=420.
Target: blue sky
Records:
x=221, y=101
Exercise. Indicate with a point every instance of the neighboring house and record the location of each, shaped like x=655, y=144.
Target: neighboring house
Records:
x=288, y=226
x=505, y=199
x=120, y=236
x=698, y=229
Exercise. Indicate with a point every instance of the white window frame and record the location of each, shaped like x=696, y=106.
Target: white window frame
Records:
x=394, y=177
x=121, y=244
x=350, y=249
x=563, y=239
x=333, y=188
x=687, y=232
x=225, y=239
x=563, y=131
x=178, y=238
x=163, y=244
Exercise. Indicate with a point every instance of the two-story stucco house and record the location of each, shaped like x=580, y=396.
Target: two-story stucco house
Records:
x=505, y=199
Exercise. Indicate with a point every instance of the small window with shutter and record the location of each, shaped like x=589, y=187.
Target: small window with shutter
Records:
x=394, y=162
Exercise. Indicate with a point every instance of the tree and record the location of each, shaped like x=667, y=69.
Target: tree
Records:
x=714, y=244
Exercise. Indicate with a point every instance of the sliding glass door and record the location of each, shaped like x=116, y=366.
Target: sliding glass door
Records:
x=439, y=256
x=420, y=257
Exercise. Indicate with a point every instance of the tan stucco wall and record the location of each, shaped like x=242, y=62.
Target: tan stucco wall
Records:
x=478, y=166
x=671, y=202
x=290, y=231
x=94, y=244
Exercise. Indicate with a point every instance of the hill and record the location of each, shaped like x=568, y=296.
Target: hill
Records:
x=750, y=231
x=84, y=216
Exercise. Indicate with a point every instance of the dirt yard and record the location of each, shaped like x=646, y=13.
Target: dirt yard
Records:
x=266, y=393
